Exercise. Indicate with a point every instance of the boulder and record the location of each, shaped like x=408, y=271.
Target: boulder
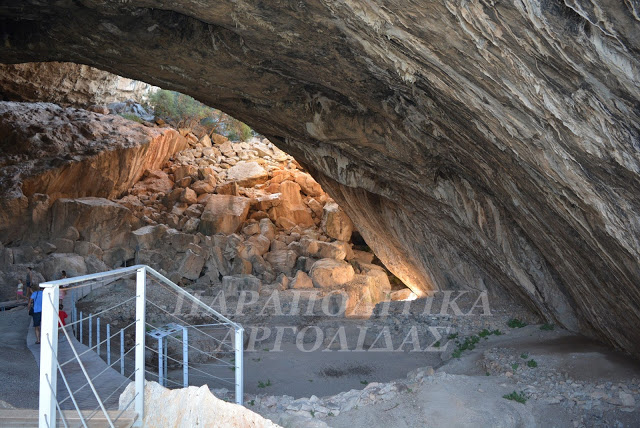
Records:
x=234, y=285
x=52, y=266
x=282, y=261
x=336, y=223
x=188, y=196
x=224, y=214
x=99, y=221
x=201, y=187
x=241, y=266
x=291, y=211
x=327, y=273
x=63, y=245
x=191, y=265
x=86, y=249
x=247, y=174
x=301, y=280
x=148, y=236
x=191, y=407
x=156, y=181
x=308, y=185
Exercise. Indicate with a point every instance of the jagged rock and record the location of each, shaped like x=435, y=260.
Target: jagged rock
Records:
x=148, y=236
x=247, y=174
x=240, y=266
x=188, y=196
x=291, y=211
x=327, y=273
x=224, y=214
x=202, y=187
x=282, y=261
x=267, y=228
x=192, y=406
x=191, y=265
x=336, y=223
x=301, y=280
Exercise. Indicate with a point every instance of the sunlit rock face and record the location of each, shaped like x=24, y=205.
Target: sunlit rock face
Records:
x=474, y=144
x=48, y=152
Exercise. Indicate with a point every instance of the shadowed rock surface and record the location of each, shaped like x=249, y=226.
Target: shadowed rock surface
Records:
x=473, y=144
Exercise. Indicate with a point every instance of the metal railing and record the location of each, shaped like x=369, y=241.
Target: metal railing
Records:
x=152, y=293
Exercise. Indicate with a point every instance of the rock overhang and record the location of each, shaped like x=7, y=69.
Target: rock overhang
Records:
x=475, y=145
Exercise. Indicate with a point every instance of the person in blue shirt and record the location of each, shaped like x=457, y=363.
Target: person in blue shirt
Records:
x=35, y=303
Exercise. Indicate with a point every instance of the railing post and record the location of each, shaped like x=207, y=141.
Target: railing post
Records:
x=81, y=338
x=48, y=357
x=122, y=351
x=141, y=289
x=90, y=331
x=98, y=336
x=185, y=357
x=109, y=345
x=160, y=361
x=239, y=365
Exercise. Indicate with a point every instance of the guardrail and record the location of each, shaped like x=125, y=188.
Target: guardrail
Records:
x=151, y=293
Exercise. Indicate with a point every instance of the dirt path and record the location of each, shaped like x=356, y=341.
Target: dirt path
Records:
x=18, y=369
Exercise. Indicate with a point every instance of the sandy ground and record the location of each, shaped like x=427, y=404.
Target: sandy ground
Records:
x=19, y=372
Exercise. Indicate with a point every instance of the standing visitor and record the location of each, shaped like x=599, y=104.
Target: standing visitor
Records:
x=35, y=310
x=20, y=291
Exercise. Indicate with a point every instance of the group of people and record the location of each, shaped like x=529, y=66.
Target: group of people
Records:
x=33, y=293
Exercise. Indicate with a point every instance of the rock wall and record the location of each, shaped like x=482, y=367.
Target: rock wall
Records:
x=67, y=83
x=49, y=152
x=475, y=144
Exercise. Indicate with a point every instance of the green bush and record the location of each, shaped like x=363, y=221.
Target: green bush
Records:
x=178, y=109
x=516, y=323
x=514, y=396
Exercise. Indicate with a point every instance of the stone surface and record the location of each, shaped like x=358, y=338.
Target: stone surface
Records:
x=336, y=223
x=473, y=144
x=234, y=285
x=301, y=280
x=247, y=174
x=68, y=83
x=328, y=273
x=67, y=152
x=192, y=406
x=224, y=214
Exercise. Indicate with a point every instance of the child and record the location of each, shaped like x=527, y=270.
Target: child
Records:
x=20, y=291
x=62, y=315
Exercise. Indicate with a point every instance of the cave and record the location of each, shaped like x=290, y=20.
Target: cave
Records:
x=475, y=145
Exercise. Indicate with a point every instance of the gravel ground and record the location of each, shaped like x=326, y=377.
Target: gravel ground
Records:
x=18, y=369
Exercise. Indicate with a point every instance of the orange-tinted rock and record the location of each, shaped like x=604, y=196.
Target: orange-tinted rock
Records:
x=224, y=214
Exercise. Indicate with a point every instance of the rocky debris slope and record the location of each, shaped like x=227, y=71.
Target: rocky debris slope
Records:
x=475, y=144
x=191, y=407
x=48, y=152
x=233, y=216
x=66, y=83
